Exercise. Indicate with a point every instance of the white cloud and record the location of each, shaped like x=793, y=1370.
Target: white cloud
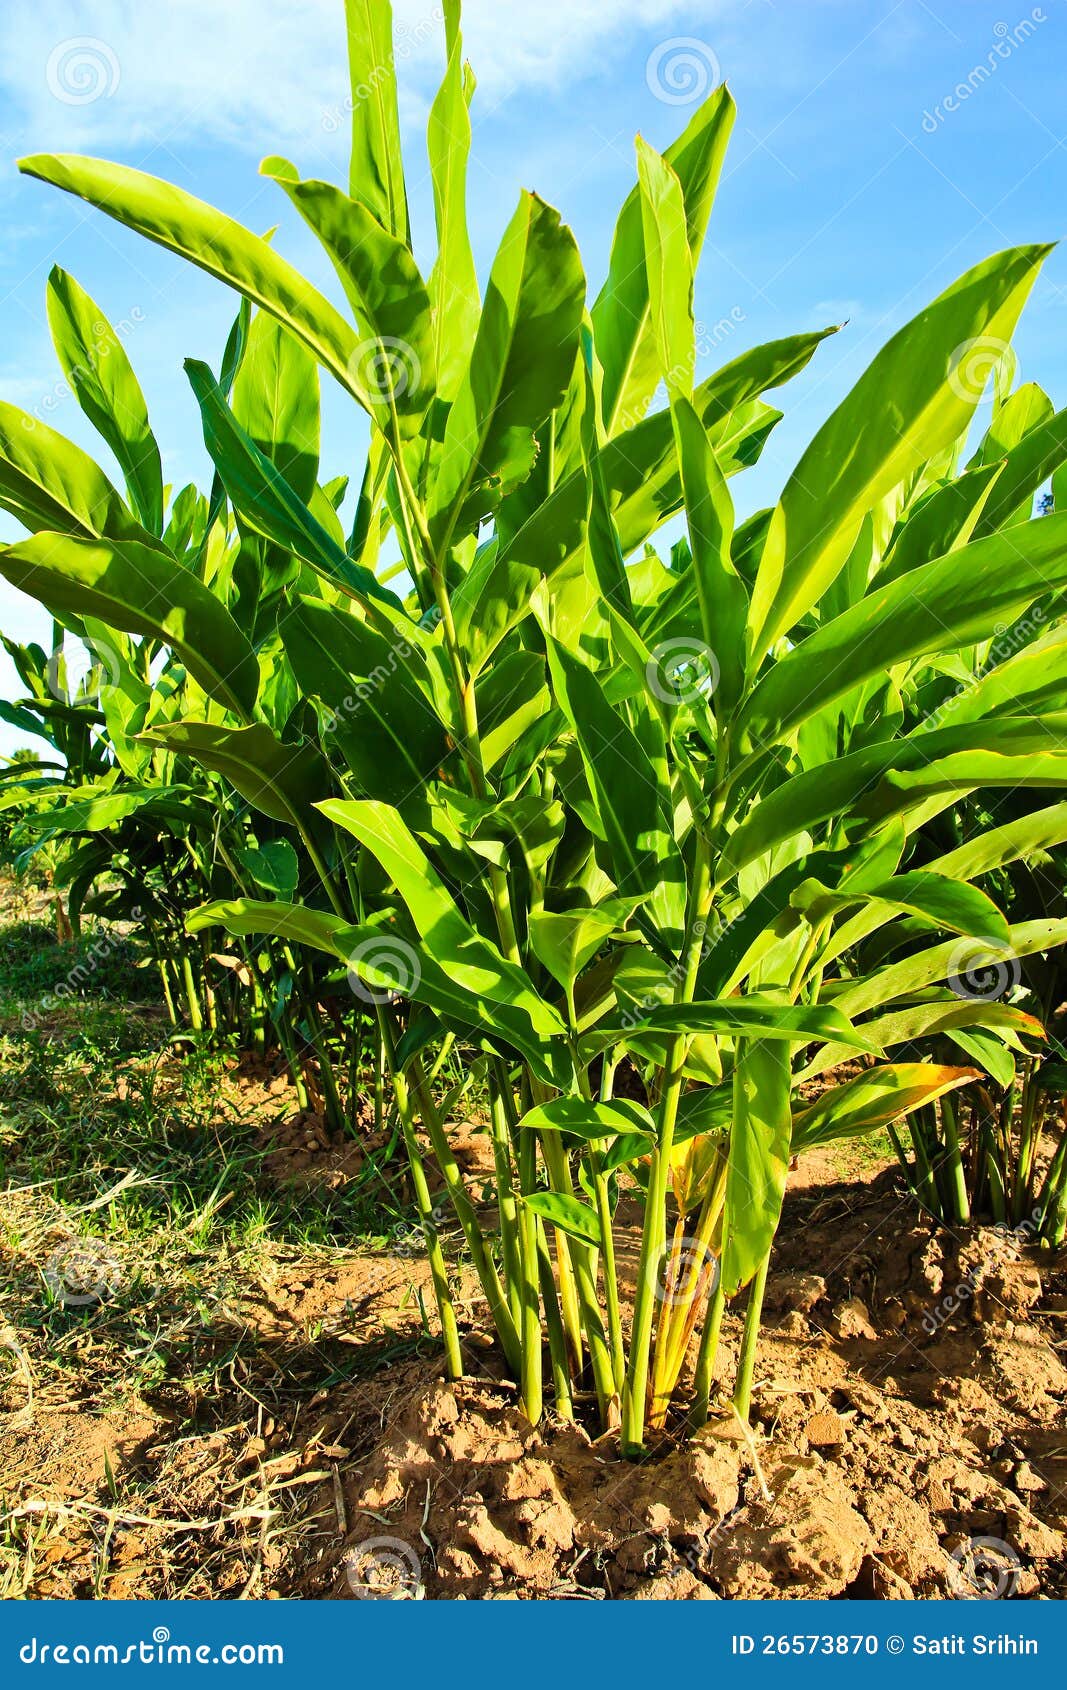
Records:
x=105, y=74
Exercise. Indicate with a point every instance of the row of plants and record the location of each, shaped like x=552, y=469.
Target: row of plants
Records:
x=659, y=837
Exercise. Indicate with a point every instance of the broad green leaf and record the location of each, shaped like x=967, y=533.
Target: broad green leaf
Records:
x=942, y=1015
x=283, y=781
x=262, y=495
x=95, y=363
x=142, y=591
x=453, y=281
x=486, y=985
x=566, y=941
x=569, y=1214
x=276, y=403
x=993, y=967
x=952, y=602
x=917, y=397
x=521, y=364
x=48, y=482
x=757, y=1017
x=214, y=242
x=274, y=865
x=873, y=1100
x=591, y=1120
x=376, y=168
x=758, y=1158
x=669, y=267
x=252, y=917
x=625, y=345
x=393, y=364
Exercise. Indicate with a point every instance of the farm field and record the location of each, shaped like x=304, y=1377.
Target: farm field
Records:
x=254, y=1392
x=533, y=1059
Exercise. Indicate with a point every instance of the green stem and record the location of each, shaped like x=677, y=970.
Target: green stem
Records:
x=706, y=1355
x=750, y=1339
x=653, y=1236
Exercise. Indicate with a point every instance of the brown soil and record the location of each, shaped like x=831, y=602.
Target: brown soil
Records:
x=909, y=1398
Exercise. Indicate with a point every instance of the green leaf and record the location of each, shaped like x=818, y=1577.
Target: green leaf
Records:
x=625, y=344
x=644, y=488
x=378, y=713
x=520, y=367
x=142, y=591
x=485, y=987
x=566, y=941
x=274, y=865
x=590, y=1120
x=48, y=482
x=915, y=399
x=393, y=364
x=214, y=242
x=873, y=1100
x=263, y=497
x=758, y=1159
x=569, y=1214
x=754, y=1016
x=283, y=781
x=376, y=170
x=453, y=281
x=944, y=1014
x=952, y=602
x=276, y=403
x=95, y=363
x=251, y=917
x=629, y=799
x=951, y=904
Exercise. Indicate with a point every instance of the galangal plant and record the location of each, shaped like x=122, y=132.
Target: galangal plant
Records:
x=586, y=810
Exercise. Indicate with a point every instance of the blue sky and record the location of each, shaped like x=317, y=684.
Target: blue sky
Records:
x=880, y=149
